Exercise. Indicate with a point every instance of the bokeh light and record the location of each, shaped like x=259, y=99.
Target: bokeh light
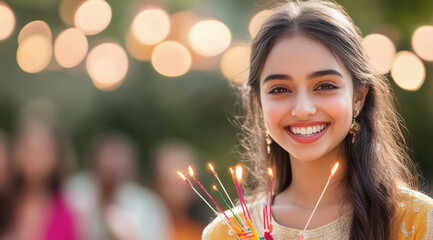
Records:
x=67, y=9
x=70, y=47
x=235, y=62
x=381, y=50
x=257, y=21
x=181, y=25
x=422, y=42
x=93, y=16
x=408, y=71
x=151, y=26
x=171, y=59
x=7, y=21
x=34, y=53
x=138, y=50
x=209, y=37
x=35, y=28
x=107, y=65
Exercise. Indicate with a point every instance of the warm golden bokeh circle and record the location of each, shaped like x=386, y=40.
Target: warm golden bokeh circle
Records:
x=171, y=59
x=138, y=50
x=70, y=47
x=181, y=25
x=93, y=16
x=37, y=27
x=257, y=21
x=422, y=42
x=209, y=37
x=235, y=62
x=408, y=71
x=381, y=50
x=107, y=65
x=67, y=9
x=151, y=26
x=7, y=21
x=34, y=53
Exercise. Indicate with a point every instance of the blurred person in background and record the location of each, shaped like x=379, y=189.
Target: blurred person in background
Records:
x=171, y=156
x=5, y=188
x=109, y=203
x=38, y=167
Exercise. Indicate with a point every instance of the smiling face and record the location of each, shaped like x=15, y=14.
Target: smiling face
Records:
x=307, y=98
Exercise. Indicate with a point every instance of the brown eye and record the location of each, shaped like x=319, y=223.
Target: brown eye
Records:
x=278, y=90
x=326, y=86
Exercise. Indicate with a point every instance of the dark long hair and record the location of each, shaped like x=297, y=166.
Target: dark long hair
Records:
x=378, y=161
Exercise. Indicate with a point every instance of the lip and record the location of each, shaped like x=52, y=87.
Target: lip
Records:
x=310, y=139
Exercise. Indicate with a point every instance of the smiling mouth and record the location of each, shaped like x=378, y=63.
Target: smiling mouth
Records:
x=308, y=131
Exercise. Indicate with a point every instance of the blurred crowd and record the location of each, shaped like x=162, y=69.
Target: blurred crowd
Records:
x=43, y=198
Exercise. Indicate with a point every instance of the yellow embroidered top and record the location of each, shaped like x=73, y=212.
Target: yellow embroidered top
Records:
x=414, y=218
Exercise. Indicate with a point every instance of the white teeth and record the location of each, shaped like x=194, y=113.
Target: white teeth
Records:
x=303, y=131
x=309, y=131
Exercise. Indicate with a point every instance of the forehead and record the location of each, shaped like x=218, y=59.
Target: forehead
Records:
x=299, y=56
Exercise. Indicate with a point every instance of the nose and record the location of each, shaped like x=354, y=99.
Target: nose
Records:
x=303, y=107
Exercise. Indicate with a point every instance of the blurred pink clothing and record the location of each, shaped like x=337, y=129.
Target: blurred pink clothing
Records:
x=61, y=223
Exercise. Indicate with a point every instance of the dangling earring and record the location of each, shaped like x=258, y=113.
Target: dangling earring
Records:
x=354, y=128
x=268, y=142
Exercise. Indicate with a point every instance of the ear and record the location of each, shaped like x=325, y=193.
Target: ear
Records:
x=359, y=97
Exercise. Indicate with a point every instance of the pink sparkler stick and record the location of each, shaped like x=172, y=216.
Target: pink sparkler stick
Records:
x=265, y=215
x=237, y=191
x=239, y=176
x=270, y=205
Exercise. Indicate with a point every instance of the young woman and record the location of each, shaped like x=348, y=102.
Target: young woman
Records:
x=38, y=166
x=314, y=99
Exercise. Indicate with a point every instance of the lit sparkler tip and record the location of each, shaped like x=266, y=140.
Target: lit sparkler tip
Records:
x=211, y=167
x=181, y=175
x=239, y=171
x=214, y=187
x=334, y=169
x=270, y=172
x=231, y=171
x=191, y=172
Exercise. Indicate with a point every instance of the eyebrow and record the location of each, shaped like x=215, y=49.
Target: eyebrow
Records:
x=310, y=76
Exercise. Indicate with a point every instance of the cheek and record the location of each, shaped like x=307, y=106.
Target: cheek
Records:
x=340, y=109
x=273, y=113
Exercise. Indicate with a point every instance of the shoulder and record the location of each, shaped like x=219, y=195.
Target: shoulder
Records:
x=218, y=228
x=414, y=216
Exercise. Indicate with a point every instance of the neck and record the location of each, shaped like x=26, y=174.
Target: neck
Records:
x=310, y=177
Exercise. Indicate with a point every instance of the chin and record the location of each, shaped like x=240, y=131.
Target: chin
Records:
x=307, y=154
x=306, y=157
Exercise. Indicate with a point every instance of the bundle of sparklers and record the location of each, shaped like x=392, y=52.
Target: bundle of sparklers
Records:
x=246, y=229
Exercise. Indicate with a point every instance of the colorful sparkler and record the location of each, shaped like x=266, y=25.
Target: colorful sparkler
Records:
x=246, y=230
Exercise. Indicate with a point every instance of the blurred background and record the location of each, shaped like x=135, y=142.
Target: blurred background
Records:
x=111, y=98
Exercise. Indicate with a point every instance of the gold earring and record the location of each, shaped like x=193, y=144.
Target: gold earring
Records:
x=354, y=128
x=268, y=142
